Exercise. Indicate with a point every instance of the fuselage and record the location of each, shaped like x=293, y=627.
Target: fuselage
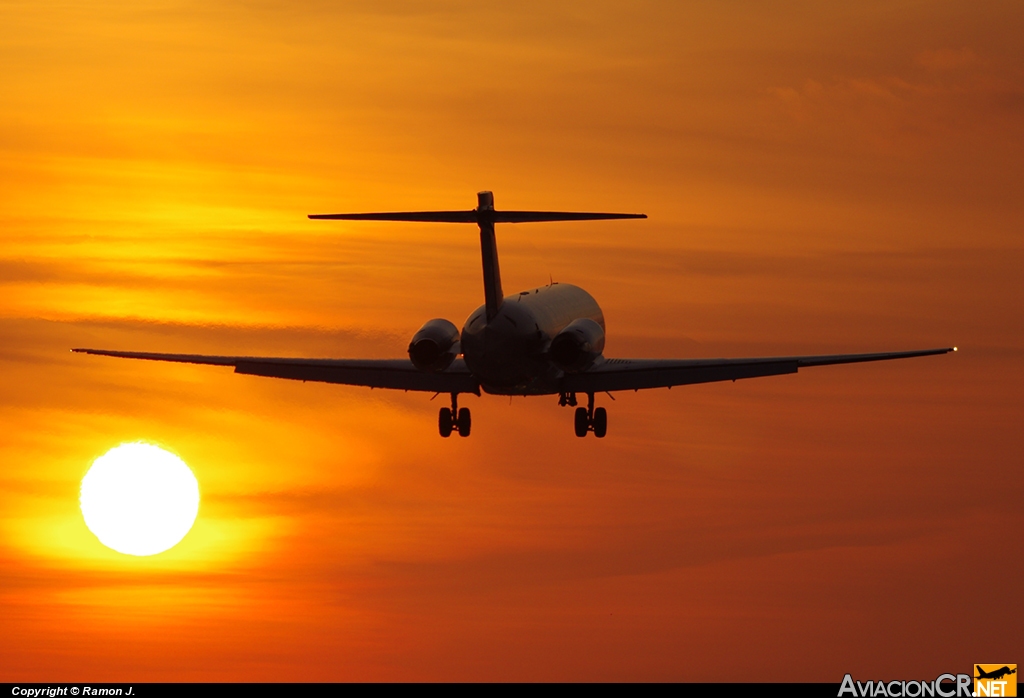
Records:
x=508, y=354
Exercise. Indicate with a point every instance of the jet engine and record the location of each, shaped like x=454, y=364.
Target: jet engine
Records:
x=435, y=346
x=577, y=346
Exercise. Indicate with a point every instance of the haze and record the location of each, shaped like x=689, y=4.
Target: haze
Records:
x=819, y=178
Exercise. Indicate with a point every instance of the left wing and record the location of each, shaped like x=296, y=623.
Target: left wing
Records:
x=396, y=374
x=637, y=374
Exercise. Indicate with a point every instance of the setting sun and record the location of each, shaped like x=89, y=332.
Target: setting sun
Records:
x=139, y=499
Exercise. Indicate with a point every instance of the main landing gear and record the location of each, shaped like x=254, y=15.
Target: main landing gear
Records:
x=452, y=418
x=586, y=418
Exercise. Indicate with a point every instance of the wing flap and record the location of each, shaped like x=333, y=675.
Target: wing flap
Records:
x=394, y=374
x=639, y=374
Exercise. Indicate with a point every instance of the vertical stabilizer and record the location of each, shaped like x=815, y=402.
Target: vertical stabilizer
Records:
x=489, y=252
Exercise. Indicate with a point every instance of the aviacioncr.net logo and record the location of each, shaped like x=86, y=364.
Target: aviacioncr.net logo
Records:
x=995, y=680
x=944, y=686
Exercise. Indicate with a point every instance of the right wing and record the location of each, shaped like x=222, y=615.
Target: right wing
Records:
x=395, y=374
x=638, y=374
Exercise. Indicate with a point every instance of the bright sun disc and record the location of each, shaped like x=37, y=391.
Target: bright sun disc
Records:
x=139, y=499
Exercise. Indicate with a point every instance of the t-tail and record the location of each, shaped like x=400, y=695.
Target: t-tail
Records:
x=493, y=295
x=485, y=217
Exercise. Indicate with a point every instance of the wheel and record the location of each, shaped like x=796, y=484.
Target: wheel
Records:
x=464, y=421
x=582, y=421
x=444, y=422
x=600, y=422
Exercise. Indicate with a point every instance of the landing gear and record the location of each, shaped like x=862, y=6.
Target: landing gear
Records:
x=582, y=422
x=600, y=422
x=463, y=423
x=587, y=418
x=452, y=418
x=445, y=423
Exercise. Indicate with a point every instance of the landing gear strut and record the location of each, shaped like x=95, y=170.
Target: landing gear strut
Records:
x=452, y=418
x=586, y=418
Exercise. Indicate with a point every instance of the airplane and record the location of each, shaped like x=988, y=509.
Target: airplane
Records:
x=544, y=341
x=995, y=674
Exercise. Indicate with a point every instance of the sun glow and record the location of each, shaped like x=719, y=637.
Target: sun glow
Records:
x=139, y=499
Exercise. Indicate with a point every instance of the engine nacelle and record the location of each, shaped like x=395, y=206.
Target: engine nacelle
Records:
x=435, y=346
x=577, y=346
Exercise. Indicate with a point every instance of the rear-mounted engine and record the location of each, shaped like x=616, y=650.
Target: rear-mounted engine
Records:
x=577, y=346
x=434, y=346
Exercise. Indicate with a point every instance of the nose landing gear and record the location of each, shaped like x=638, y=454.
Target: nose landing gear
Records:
x=586, y=418
x=453, y=418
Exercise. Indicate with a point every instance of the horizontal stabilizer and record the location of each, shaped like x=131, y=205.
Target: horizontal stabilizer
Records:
x=475, y=216
x=414, y=216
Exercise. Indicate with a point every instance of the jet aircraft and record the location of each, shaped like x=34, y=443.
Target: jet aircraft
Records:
x=544, y=341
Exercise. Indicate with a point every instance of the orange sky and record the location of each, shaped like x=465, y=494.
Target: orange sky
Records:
x=819, y=177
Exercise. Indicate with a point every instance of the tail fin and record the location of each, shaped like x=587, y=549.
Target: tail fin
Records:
x=484, y=216
x=493, y=295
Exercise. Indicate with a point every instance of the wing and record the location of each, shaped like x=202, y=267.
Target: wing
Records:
x=396, y=374
x=636, y=374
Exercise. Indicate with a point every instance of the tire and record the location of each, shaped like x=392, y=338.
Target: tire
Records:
x=464, y=422
x=600, y=422
x=444, y=422
x=582, y=422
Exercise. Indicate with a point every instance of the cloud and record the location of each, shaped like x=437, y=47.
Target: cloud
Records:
x=946, y=59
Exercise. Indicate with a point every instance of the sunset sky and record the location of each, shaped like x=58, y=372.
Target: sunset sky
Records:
x=819, y=178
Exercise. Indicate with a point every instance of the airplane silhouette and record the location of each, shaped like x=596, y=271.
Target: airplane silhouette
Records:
x=996, y=674
x=544, y=341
